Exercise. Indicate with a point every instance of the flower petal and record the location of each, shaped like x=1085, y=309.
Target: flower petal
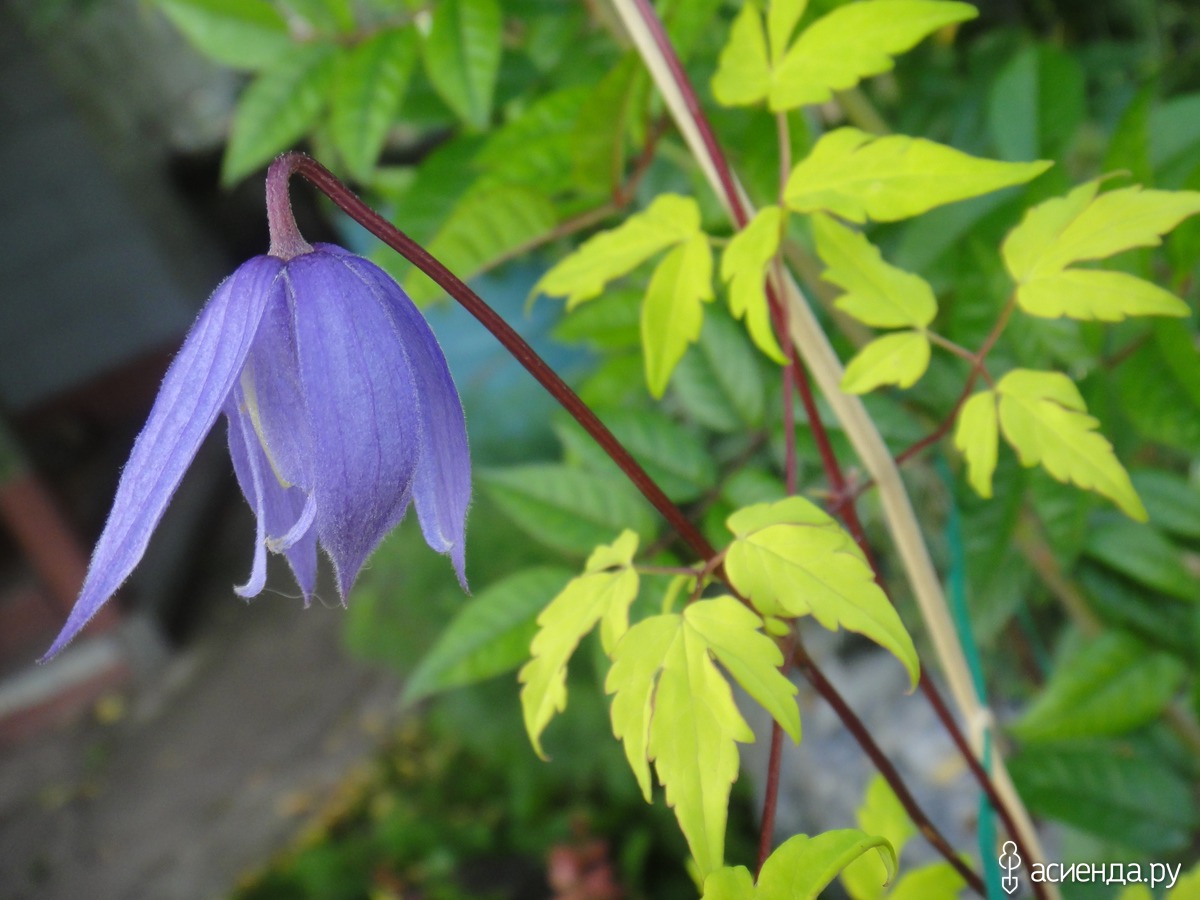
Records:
x=192, y=393
x=361, y=401
x=442, y=488
x=246, y=464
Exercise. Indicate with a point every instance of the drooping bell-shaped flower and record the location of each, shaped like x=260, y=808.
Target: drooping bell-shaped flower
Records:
x=341, y=412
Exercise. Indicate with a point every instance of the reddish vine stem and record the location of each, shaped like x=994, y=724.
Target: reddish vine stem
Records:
x=829, y=459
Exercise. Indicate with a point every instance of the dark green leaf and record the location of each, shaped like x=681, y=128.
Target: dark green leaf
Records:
x=243, y=34
x=610, y=322
x=367, y=92
x=534, y=149
x=1129, y=149
x=568, y=509
x=601, y=130
x=277, y=109
x=1157, y=403
x=1036, y=103
x=489, y=635
x=1172, y=501
x=1109, y=789
x=1143, y=554
x=718, y=381
x=1162, y=621
x=1063, y=511
x=462, y=56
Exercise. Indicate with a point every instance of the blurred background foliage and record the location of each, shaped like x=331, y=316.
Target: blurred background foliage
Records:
x=501, y=134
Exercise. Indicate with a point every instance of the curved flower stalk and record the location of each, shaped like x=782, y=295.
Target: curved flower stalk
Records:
x=341, y=411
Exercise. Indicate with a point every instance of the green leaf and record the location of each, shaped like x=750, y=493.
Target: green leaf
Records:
x=1036, y=103
x=673, y=707
x=976, y=435
x=900, y=359
x=1083, y=226
x=1173, y=502
x=367, y=91
x=487, y=224
x=1141, y=553
x=744, y=266
x=565, y=508
x=802, y=867
x=462, y=56
x=1110, y=789
x=277, y=109
x=490, y=635
x=729, y=883
x=671, y=219
x=325, y=16
x=852, y=42
x=743, y=70
x=605, y=592
x=672, y=312
x=934, y=880
x=884, y=815
x=782, y=17
x=242, y=34
x=855, y=176
x=791, y=559
x=1109, y=686
x=1096, y=295
x=718, y=381
x=600, y=134
x=535, y=148
x=1044, y=418
x=732, y=634
x=877, y=293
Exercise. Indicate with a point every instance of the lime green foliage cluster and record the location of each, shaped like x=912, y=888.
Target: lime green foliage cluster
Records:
x=1046, y=313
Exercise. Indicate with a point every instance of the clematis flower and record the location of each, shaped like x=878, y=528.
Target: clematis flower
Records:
x=341, y=411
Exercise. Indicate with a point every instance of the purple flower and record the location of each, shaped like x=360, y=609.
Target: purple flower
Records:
x=341, y=411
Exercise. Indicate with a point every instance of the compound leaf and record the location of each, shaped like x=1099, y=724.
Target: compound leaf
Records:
x=900, y=359
x=671, y=219
x=672, y=314
x=977, y=436
x=791, y=559
x=878, y=294
x=856, y=176
x=602, y=594
x=1045, y=419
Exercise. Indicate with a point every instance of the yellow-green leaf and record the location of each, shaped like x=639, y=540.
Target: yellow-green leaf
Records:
x=790, y=559
x=743, y=70
x=855, y=176
x=1096, y=294
x=803, y=866
x=877, y=293
x=674, y=707
x=782, y=16
x=852, y=42
x=1084, y=226
x=744, y=266
x=671, y=219
x=1045, y=419
x=900, y=358
x=602, y=594
x=977, y=436
x=934, y=880
x=671, y=311
x=729, y=883
x=884, y=815
x=753, y=659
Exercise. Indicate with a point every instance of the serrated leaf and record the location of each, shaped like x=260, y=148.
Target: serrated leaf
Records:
x=744, y=266
x=732, y=633
x=673, y=707
x=671, y=219
x=743, y=70
x=878, y=294
x=462, y=56
x=882, y=814
x=852, y=42
x=790, y=558
x=367, y=91
x=1172, y=501
x=976, y=435
x=1108, y=686
x=718, y=382
x=242, y=34
x=672, y=313
x=1141, y=553
x=1044, y=418
x=900, y=358
x=276, y=110
x=490, y=635
x=567, y=509
x=729, y=883
x=1091, y=294
x=1110, y=789
x=1083, y=226
x=802, y=866
x=535, y=148
x=855, y=176
x=603, y=593
x=487, y=224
